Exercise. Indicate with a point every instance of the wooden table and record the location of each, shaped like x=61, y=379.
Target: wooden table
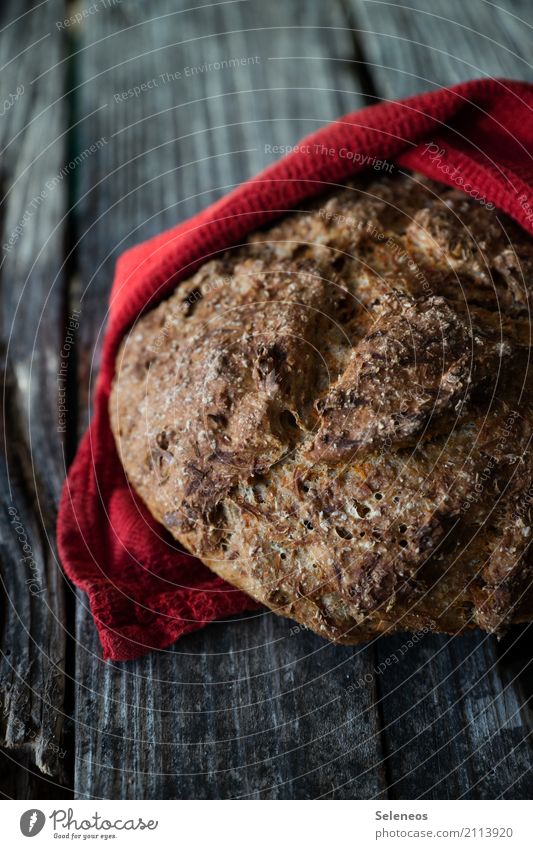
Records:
x=248, y=709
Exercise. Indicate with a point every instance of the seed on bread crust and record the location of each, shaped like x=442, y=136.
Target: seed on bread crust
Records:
x=336, y=416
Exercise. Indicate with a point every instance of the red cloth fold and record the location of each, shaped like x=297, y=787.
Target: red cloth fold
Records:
x=144, y=591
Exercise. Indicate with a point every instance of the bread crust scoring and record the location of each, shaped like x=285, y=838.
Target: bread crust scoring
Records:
x=335, y=417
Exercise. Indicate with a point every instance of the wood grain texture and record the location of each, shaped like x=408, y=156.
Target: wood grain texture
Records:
x=256, y=708
x=32, y=468
x=433, y=745
x=454, y=711
x=245, y=709
x=415, y=46
x=456, y=723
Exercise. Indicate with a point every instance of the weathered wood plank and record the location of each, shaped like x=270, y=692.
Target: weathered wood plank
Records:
x=456, y=724
x=32, y=292
x=416, y=46
x=22, y=780
x=454, y=717
x=247, y=708
x=280, y=737
x=250, y=709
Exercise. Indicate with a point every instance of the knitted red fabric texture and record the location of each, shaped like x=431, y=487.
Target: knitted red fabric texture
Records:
x=144, y=591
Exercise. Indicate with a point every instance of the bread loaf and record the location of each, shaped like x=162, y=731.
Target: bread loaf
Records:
x=336, y=416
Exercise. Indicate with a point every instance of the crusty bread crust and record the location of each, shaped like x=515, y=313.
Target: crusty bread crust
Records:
x=335, y=417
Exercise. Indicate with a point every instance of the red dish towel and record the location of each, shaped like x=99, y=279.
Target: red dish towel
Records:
x=144, y=591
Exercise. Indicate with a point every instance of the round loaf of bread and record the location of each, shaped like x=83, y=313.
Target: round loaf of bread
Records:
x=336, y=416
